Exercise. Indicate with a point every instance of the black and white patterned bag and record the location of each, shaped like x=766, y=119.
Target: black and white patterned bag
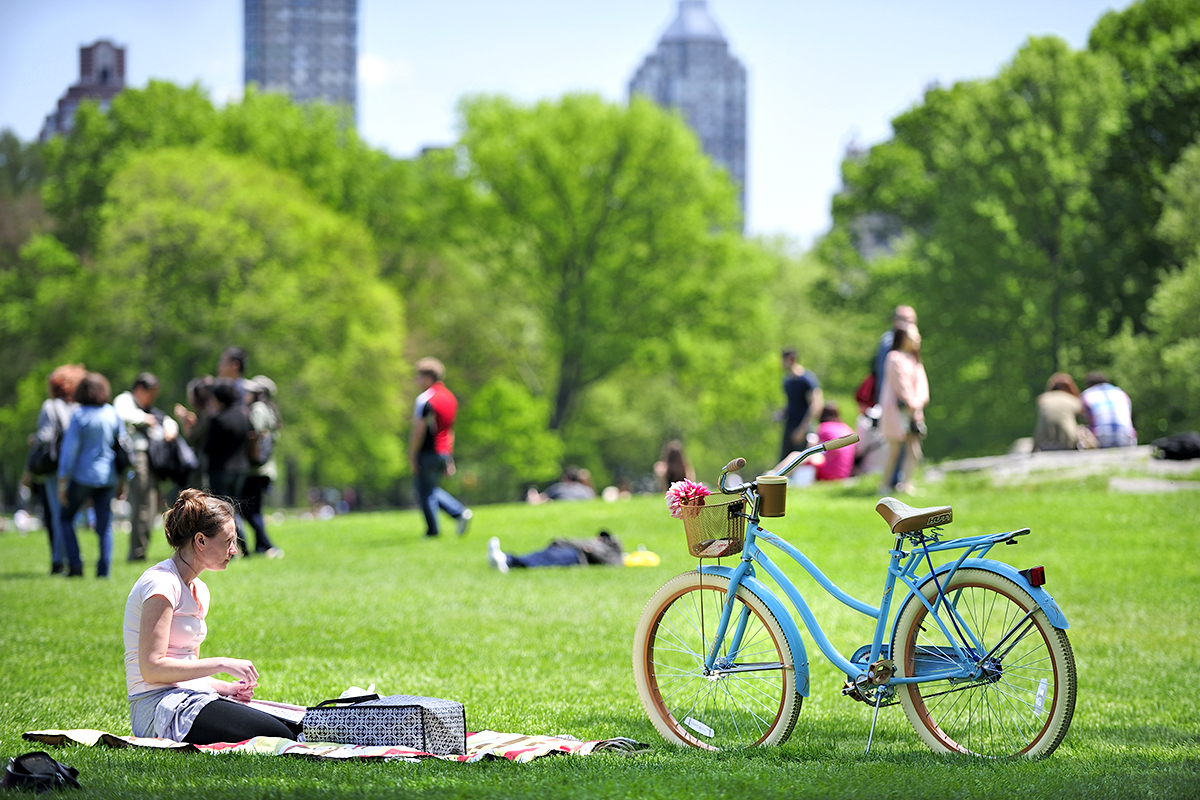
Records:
x=399, y=720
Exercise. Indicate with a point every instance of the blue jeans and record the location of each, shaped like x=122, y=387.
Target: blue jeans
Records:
x=431, y=497
x=51, y=511
x=556, y=555
x=101, y=497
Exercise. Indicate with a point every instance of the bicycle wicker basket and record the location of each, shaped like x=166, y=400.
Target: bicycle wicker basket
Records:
x=714, y=529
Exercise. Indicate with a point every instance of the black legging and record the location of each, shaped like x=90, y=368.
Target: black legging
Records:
x=227, y=721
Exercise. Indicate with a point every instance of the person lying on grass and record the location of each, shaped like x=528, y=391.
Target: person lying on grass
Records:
x=172, y=691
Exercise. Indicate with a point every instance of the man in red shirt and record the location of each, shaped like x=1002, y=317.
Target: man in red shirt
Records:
x=431, y=446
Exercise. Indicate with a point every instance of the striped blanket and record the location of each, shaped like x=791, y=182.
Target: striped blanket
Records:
x=481, y=745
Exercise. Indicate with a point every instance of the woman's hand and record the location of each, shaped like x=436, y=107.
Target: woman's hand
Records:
x=240, y=668
x=234, y=690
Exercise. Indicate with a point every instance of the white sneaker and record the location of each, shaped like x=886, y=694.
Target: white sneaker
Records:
x=496, y=556
x=464, y=521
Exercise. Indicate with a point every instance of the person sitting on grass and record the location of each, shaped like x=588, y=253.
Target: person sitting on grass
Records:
x=172, y=691
x=575, y=484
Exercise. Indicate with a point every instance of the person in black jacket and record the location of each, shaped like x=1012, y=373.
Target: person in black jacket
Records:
x=225, y=444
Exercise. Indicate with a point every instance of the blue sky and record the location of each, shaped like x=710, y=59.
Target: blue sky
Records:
x=821, y=74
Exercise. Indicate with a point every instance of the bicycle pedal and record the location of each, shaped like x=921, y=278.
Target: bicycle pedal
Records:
x=881, y=671
x=852, y=691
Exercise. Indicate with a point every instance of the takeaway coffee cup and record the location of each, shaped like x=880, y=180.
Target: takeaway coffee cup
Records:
x=772, y=489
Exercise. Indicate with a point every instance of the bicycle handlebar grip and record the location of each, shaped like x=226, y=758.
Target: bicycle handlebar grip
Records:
x=735, y=465
x=834, y=444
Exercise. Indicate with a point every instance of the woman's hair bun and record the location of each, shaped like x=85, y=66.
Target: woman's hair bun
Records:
x=195, y=512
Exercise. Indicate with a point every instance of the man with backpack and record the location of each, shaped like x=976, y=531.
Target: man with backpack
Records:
x=144, y=423
x=264, y=427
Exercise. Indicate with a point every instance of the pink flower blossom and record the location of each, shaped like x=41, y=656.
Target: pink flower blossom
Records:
x=685, y=493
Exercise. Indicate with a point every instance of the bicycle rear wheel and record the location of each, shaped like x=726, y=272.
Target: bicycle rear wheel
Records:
x=749, y=699
x=1022, y=702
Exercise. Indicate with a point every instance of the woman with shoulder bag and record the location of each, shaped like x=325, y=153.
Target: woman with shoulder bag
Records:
x=42, y=479
x=87, y=469
x=905, y=395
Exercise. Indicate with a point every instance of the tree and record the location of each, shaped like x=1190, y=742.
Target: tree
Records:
x=1158, y=366
x=199, y=251
x=608, y=222
x=993, y=183
x=1157, y=44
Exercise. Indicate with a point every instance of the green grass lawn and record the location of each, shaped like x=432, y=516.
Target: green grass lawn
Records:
x=366, y=599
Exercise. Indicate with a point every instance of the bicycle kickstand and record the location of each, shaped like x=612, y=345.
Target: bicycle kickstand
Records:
x=874, y=719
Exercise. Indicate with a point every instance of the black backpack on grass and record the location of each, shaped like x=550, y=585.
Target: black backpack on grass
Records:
x=1180, y=447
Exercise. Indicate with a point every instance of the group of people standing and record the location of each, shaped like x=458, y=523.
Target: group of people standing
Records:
x=89, y=444
x=892, y=406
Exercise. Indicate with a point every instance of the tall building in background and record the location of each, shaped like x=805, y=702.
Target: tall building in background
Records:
x=693, y=70
x=305, y=48
x=101, y=78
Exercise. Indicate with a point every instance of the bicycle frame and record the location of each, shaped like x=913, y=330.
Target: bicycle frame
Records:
x=903, y=567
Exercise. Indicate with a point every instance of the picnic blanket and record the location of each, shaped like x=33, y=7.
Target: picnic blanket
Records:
x=482, y=745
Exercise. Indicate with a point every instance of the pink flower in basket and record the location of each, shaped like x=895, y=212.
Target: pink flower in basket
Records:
x=685, y=493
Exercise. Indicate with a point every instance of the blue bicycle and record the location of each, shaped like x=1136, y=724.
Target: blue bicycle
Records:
x=977, y=655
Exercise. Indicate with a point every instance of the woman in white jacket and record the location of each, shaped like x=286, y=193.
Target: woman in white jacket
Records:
x=905, y=395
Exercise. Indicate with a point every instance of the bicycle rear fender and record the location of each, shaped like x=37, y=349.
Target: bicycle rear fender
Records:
x=1040, y=595
x=782, y=616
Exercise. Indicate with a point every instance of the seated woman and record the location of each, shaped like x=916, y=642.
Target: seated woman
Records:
x=1058, y=412
x=172, y=691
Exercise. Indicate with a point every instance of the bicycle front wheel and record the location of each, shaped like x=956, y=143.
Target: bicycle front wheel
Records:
x=1022, y=700
x=748, y=699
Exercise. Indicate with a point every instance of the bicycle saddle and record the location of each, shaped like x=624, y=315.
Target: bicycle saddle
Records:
x=903, y=518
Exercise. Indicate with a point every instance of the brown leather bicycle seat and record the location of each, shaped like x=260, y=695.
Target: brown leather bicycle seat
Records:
x=903, y=518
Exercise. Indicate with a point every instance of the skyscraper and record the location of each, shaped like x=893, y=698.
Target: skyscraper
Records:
x=101, y=78
x=693, y=70
x=305, y=48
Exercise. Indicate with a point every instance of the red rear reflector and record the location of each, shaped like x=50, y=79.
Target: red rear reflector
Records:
x=1035, y=575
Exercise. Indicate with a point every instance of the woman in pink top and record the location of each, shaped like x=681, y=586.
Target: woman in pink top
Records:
x=905, y=395
x=173, y=693
x=838, y=464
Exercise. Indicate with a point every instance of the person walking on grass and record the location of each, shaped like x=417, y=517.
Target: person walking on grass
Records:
x=431, y=446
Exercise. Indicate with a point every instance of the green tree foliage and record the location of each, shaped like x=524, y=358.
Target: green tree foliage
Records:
x=1157, y=44
x=200, y=250
x=607, y=221
x=992, y=185
x=1158, y=367
x=203, y=250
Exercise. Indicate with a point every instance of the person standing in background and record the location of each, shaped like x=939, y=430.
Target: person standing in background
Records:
x=232, y=365
x=225, y=442
x=905, y=395
x=87, y=469
x=804, y=401
x=52, y=423
x=143, y=422
x=431, y=446
x=264, y=422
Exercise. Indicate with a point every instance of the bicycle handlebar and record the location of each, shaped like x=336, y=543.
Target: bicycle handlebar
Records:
x=834, y=444
x=738, y=463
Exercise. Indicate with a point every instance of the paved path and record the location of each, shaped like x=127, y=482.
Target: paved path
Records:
x=1134, y=469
